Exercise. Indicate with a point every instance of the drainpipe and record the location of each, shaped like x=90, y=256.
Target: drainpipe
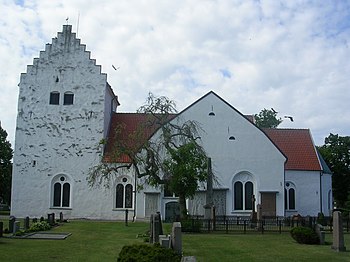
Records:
x=321, y=191
x=135, y=183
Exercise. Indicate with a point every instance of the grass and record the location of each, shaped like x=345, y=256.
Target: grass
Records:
x=102, y=241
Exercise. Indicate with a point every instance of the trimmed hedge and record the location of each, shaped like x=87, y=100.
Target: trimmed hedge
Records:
x=145, y=253
x=305, y=235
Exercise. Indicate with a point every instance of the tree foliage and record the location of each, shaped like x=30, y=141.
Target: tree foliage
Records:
x=172, y=157
x=336, y=153
x=267, y=119
x=5, y=167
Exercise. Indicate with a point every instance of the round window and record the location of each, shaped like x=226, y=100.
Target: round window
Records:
x=62, y=178
x=287, y=184
x=125, y=179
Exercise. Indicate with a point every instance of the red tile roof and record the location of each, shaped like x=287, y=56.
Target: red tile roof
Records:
x=129, y=130
x=295, y=144
x=298, y=146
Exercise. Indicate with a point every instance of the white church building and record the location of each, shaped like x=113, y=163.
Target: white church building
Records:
x=66, y=107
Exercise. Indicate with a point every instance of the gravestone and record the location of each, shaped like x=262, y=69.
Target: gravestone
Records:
x=1, y=229
x=26, y=223
x=320, y=232
x=11, y=223
x=16, y=227
x=338, y=234
x=164, y=241
x=51, y=219
x=209, y=193
x=176, y=238
x=61, y=217
x=155, y=228
x=259, y=217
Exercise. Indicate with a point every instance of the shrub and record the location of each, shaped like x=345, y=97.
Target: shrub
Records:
x=191, y=225
x=305, y=235
x=145, y=253
x=321, y=219
x=39, y=226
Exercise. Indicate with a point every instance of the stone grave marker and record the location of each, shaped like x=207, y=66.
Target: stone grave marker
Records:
x=176, y=238
x=1, y=229
x=11, y=223
x=26, y=223
x=16, y=227
x=338, y=234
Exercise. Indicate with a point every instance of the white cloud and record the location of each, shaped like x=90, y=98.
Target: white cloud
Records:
x=290, y=55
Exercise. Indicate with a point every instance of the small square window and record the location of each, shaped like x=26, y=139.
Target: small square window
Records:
x=54, y=98
x=68, y=99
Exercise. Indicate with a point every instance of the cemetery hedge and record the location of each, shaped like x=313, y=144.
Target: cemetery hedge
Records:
x=146, y=253
x=305, y=235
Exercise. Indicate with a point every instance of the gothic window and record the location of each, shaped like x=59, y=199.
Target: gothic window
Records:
x=124, y=194
x=243, y=193
x=68, y=98
x=54, y=98
x=61, y=192
x=289, y=196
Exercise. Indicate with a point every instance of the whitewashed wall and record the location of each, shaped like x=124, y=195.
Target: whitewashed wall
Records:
x=307, y=192
x=61, y=139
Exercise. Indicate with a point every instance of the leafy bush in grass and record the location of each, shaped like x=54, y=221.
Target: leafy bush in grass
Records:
x=39, y=226
x=305, y=235
x=145, y=253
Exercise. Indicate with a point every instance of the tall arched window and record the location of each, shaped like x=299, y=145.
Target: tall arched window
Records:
x=124, y=194
x=61, y=191
x=243, y=193
x=289, y=196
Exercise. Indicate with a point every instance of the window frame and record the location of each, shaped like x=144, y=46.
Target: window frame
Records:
x=68, y=98
x=61, y=192
x=54, y=95
x=242, y=201
x=124, y=194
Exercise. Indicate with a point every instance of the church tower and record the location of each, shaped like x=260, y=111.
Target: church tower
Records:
x=64, y=109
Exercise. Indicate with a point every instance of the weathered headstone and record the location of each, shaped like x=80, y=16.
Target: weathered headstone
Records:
x=151, y=229
x=26, y=223
x=1, y=228
x=188, y=259
x=51, y=219
x=11, y=223
x=16, y=227
x=156, y=228
x=61, y=217
x=338, y=234
x=259, y=217
x=164, y=241
x=320, y=232
x=176, y=238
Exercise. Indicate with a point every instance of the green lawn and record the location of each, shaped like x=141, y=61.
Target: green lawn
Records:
x=102, y=241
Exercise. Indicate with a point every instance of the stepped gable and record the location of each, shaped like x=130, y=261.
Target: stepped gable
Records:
x=298, y=146
x=65, y=46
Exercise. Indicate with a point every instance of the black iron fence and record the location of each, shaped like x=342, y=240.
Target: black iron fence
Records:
x=234, y=224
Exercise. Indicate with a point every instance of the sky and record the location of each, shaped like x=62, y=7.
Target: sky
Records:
x=292, y=56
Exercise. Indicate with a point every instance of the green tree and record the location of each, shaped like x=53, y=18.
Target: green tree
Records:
x=336, y=153
x=5, y=167
x=267, y=119
x=172, y=158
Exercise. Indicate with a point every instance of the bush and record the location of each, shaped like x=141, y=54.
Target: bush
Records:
x=191, y=225
x=145, y=253
x=39, y=226
x=305, y=235
x=321, y=219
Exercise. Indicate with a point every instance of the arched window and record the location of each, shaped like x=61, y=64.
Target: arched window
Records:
x=289, y=196
x=243, y=193
x=124, y=194
x=238, y=195
x=54, y=98
x=61, y=191
x=68, y=98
